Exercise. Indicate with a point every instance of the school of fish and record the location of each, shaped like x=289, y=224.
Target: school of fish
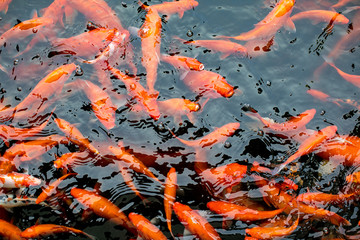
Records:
x=76, y=154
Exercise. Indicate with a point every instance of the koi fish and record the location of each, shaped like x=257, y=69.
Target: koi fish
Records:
x=51, y=188
x=10, y=201
x=150, y=44
x=207, y=83
x=324, y=198
x=4, y=5
x=9, y=231
x=176, y=107
x=308, y=145
x=103, y=207
x=44, y=230
x=145, y=228
x=354, y=79
x=195, y=223
x=72, y=158
x=321, y=16
x=183, y=63
x=18, y=180
x=225, y=47
x=341, y=3
x=137, y=91
x=101, y=102
x=294, y=124
x=179, y=7
x=74, y=135
x=323, y=96
x=237, y=212
x=271, y=232
x=268, y=27
x=170, y=195
x=218, y=135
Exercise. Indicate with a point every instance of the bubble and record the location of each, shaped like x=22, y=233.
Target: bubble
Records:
x=35, y=30
x=260, y=133
x=189, y=33
x=79, y=71
x=161, y=127
x=227, y=144
x=268, y=83
x=133, y=86
x=326, y=230
x=322, y=113
x=19, y=89
x=16, y=61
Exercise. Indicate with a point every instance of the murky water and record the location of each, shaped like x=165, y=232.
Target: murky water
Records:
x=275, y=84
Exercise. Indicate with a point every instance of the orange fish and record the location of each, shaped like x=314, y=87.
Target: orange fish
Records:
x=225, y=47
x=74, y=135
x=9, y=231
x=101, y=103
x=145, y=228
x=4, y=5
x=209, y=84
x=237, y=212
x=176, y=107
x=271, y=232
x=342, y=3
x=323, y=96
x=195, y=223
x=353, y=178
x=170, y=195
x=51, y=189
x=218, y=135
x=179, y=7
x=72, y=158
x=103, y=207
x=137, y=91
x=268, y=27
x=182, y=62
x=18, y=180
x=324, y=198
x=354, y=79
x=322, y=16
x=150, y=44
x=309, y=144
x=44, y=230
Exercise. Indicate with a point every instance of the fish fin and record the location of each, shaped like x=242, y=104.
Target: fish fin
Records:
x=289, y=25
x=191, y=118
x=35, y=15
x=134, y=31
x=183, y=75
x=225, y=55
x=6, y=9
x=70, y=15
x=181, y=14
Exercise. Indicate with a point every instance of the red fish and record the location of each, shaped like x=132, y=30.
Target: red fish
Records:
x=309, y=144
x=179, y=7
x=183, y=63
x=44, y=230
x=145, y=228
x=268, y=27
x=137, y=91
x=195, y=223
x=321, y=15
x=176, y=107
x=103, y=207
x=150, y=44
x=18, y=180
x=170, y=195
x=209, y=84
x=51, y=189
x=271, y=232
x=237, y=212
x=226, y=48
x=9, y=231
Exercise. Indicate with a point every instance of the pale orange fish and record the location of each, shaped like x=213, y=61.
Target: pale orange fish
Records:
x=237, y=212
x=71, y=159
x=170, y=195
x=9, y=231
x=44, y=230
x=101, y=102
x=18, y=180
x=51, y=188
x=74, y=135
x=321, y=16
x=150, y=44
x=137, y=91
x=179, y=7
x=176, y=107
x=323, y=96
x=4, y=5
x=268, y=27
x=341, y=3
x=146, y=229
x=225, y=47
x=195, y=223
x=271, y=232
x=354, y=79
x=208, y=84
x=182, y=62
x=309, y=145
x=324, y=198
x=218, y=135
x=103, y=208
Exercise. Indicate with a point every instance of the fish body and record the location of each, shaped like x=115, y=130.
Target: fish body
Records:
x=209, y=84
x=271, y=232
x=70, y=159
x=237, y=212
x=9, y=201
x=195, y=223
x=179, y=7
x=9, y=231
x=354, y=79
x=145, y=228
x=170, y=195
x=44, y=230
x=182, y=62
x=137, y=91
x=321, y=16
x=103, y=208
x=323, y=198
x=18, y=180
x=176, y=107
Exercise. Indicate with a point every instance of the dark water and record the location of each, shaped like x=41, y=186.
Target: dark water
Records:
x=274, y=84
